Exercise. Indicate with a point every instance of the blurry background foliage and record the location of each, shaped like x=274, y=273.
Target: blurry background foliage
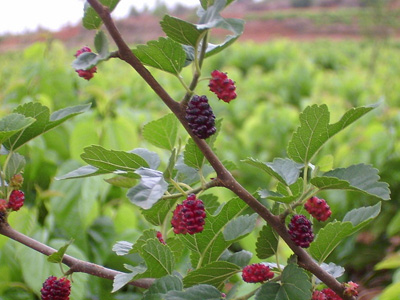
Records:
x=275, y=82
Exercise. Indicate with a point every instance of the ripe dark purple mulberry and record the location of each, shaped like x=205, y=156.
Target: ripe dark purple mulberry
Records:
x=86, y=74
x=16, y=200
x=300, y=231
x=200, y=117
x=318, y=208
x=256, y=273
x=189, y=216
x=222, y=86
x=56, y=289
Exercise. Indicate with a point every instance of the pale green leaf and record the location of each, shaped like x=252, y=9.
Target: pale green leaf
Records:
x=162, y=132
x=267, y=243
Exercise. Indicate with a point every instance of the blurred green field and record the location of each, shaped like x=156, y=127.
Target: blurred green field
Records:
x=275, y=81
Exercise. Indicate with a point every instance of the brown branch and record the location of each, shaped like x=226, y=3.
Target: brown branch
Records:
x=75, y=265
x=224, y=177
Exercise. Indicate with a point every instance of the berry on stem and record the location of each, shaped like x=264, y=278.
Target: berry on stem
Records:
x=256, y=273
x=318, y=208
x=222, y=86
x=331, y=295
x=86, y=74
x=200, y=117
x=16, y=200
x=56, y=289
x=300, y=231
x=3, y=205
x=318, y=295
x=351, y=288
x=189, y=216
x=160, y=237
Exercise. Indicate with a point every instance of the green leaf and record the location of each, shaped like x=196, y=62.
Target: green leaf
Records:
x=164, y=54
x=158, y=212
x=152, y=158
x=15, y=165
x=315, y=130
x=121, y=181
x=169, y=171
x=181, y=31
x=392, y=261
x=295, y=284
x=329, y=237
x=241, y=258
x=267, y=243
x=162, y=132
x=120, y=280
x=285, y=170
x=282, y=195
x=13, y=123
x=239, y=227
x=200, y=291
x=118, y=162
x=215, y=274
x=101, y=44
x=361, y=178
x=151, y=188
x=208, y=245
x=44, y=121
x=162, y=286
x=192, y=156
x=82, y=172
x=91, y=20
x=57, y=257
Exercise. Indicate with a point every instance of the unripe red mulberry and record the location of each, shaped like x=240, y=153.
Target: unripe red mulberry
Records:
x=160, y=237
x=350, y=288
x=318, y=295
x=331, y=295
x=222, y=86
x=256, y=273
x=3, y=205
x=318, y=208
x=300, y=231
x=86, y=74
x=200, y=117
x=16, y=200
x=189, y=216
x=56, y=289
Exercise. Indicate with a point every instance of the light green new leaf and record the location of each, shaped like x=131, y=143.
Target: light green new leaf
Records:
x=13, y=123
x=82, y=172
x=57, y=256
x=284, y=170
x=162, y=132
x=118, y=162
x=164, y=54
x=267, y=243
x=91, y=20
x=122, y=279
x=15, y=165
x=208, y=245
x=44, y=121
x=295, y=284
x=361, y=178
x=181, y=31
x=215, y=274
x=315, y=130
x=329, y=237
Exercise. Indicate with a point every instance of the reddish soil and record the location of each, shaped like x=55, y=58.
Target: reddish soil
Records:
x=140, y=29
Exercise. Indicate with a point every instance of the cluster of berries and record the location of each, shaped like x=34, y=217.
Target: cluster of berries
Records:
x=199, y=114
x=188, y=217
x=318, y=208
x=256, y=273
x=300, y=230
x=351, y=289
x=87, y=74
x=56, y=289
x=17, y=197
x=222, y=86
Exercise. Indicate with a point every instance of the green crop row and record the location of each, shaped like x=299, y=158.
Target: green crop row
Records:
x=274, y=80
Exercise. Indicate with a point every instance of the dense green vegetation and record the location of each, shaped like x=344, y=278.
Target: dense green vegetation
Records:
x=275, y=81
